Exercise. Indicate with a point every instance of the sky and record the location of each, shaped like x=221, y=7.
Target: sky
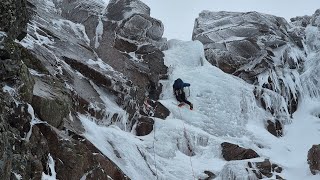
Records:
x=178, y=15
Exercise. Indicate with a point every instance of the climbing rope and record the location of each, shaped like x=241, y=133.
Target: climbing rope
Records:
x=154, y=152
x=188, y=141
x=188, y=144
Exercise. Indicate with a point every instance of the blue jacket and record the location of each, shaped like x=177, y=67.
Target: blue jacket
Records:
x=179, y=84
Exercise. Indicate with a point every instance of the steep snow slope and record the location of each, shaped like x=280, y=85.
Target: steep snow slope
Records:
x=225, y=110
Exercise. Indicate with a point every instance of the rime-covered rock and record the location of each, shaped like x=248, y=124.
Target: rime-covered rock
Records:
x=103, y=44
x=78, y=57
x=262, y=49
x=309, y=79
x=86, y=63
x=251, y=170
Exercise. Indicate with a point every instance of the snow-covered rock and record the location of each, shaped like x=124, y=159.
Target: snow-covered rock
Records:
x=71, y=63
x=239, y=170
x=258, y=48
x=102, y=67
x=89, y=48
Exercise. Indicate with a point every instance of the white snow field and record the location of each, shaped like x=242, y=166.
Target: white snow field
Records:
x=225, y=110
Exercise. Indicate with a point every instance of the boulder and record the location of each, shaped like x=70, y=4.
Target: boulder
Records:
x=161, y=111
x=144, y=126
x=155, y=109
x=275, y=128
x=314, y=159
x=234, y=152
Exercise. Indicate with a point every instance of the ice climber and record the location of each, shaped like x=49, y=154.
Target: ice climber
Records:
x=179, y=92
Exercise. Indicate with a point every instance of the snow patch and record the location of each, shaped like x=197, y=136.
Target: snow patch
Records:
x=99, y=33
x=101, y=64
x=35, y=73
x=75, y=28
x=9, y=90
x=84, y=177
x=124, y=151
x=52, y=175
x=34, y=121
x=18, y=176
x=3, y=35
x=134, y=57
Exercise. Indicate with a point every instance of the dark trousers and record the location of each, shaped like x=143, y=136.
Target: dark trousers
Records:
x=181, y=97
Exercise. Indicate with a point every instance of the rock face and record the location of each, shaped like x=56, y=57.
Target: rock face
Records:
x=314, y=159
x=115, y=47
x=270, y=53
x=262, y=49
x=50, y=102
x=79, y=57
x=13, y=18
x=78, y=157
x=18, y=153
x=234, y=152
x=62, y=60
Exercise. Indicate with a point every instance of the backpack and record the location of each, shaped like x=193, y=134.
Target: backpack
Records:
x=178, y=84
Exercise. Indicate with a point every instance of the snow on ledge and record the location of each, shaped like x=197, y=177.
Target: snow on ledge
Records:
x=52, y=175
